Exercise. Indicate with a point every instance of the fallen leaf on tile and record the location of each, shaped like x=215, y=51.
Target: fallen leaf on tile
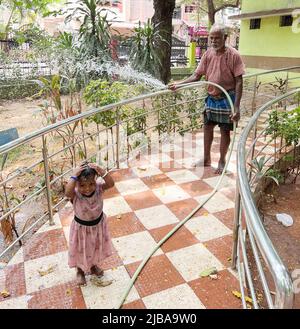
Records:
x=214, y=276
x=100, y=283
x=209, y=271
x=205, y=214
x=4, y=293
x=260, y=296
x=248, y=299
x=239, y=295
x=229, y=259
x=49, y=270
x=119, y=216
x=68, y=292
x=142, y=168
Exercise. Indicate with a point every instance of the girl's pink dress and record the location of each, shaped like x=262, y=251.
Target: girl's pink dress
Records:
x=89, y=245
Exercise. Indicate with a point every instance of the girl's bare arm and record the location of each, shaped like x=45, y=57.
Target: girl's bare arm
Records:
x=70, y=187
x=109, y=182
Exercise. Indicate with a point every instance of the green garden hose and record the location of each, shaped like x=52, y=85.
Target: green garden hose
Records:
x=163, y=240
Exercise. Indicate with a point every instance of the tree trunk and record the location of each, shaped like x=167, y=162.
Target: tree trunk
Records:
x=162, y=20
x=211, y=11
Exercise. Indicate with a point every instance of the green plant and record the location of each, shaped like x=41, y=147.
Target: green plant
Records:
x=65, y=40
x=280, y=85
x=260, y=170
x=101, y=92
x=7, y=202
x=285, y=124
x=54, y=110
x=94, y=32
x=144, y=54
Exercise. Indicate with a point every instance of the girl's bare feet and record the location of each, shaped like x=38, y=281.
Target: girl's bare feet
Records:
x=80, y=277
x=96, y=271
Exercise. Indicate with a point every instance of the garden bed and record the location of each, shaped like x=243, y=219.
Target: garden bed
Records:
x=286, y=240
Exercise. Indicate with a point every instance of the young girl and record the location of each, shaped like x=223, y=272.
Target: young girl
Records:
x=89, y=242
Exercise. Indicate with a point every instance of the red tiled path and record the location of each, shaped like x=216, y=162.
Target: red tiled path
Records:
x=172, y=275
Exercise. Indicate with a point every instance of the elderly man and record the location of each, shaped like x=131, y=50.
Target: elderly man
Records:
x=222, y=65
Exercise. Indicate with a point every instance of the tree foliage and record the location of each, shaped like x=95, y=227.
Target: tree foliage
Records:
x=18, y=10
x=94, y=32
x=211, y=7
x=145, y=54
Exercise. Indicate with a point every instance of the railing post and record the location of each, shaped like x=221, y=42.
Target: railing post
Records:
x=47, y=180
x=118, y=138
x=286, y=88
x=236, y=227
x=253, y=105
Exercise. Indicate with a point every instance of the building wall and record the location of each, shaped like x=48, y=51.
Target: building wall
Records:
x=138, y=10
x=254, y=5
x=269, y=40
x=271, y=46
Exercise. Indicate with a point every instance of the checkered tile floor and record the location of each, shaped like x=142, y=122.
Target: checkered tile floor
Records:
x=149, y=198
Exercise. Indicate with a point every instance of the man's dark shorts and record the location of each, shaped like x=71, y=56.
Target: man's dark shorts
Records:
x=223, y=126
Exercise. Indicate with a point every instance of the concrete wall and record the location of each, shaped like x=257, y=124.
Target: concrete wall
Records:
x=271, y=46
x=138, y=10
x=254, y=5
x=270, y=39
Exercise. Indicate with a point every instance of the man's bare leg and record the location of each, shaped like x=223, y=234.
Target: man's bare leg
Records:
x=224, y=145
x=208, y=139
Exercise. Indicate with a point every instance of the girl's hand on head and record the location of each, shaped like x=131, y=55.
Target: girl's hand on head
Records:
x=78, y=170
x=97, y=168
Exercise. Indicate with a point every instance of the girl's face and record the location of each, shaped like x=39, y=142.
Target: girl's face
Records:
x=87, y=186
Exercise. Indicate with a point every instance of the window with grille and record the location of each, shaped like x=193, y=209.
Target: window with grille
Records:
x=286, y=20
x=190, y=9
x=255, y=23
x=177, y=13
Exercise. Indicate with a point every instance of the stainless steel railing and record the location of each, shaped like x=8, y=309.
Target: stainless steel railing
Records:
x=165, y=113
x=254, y=232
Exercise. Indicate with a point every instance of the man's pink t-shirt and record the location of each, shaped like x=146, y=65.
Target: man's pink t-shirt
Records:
x=221, y=69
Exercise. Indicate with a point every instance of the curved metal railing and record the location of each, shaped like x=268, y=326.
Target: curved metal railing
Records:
x=261, y=245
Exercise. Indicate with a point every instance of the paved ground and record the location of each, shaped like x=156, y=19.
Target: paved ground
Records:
x=148, y=200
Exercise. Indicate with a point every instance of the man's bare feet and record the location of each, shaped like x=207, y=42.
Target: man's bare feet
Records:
x=200, y=163
x=80, y=277
x=220, y=168
x=95, y=270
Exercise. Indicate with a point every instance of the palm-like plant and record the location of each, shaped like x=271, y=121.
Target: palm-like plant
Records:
x=94, y=32
x=144, y=54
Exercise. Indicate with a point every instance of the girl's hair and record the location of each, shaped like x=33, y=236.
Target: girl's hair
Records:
x=88, y=173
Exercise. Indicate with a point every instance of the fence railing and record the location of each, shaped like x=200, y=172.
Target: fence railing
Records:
x=260, y=151
x=33, y=176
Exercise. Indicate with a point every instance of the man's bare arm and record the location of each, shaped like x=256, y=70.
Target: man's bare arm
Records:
x=193, y=78
x=238, y=97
